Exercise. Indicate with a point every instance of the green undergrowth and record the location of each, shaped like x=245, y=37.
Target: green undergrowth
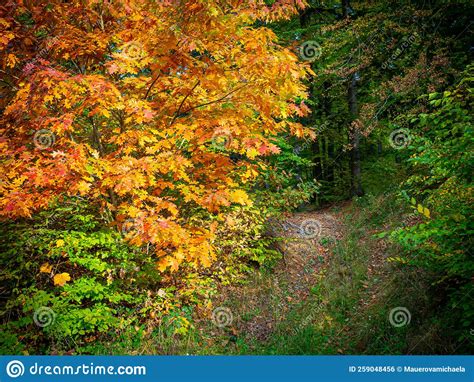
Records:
x=367, y=301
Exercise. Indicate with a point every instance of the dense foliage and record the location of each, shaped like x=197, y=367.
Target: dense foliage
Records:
x=146, y=147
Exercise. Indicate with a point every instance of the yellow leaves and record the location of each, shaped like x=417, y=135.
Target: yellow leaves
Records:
x=83, y=187
x=252, y=152
x=143, y=140
x=230, y=221
x=240, y=197
x=48, y=98
x=11, y=60
x=61, y=279
x=154, y=128
x=214, y=11
x=422, y=210
x=195, y=250
x=46, y=268
x=249, y=175
x=397, y=259
x=426, y=212
x=17, y=182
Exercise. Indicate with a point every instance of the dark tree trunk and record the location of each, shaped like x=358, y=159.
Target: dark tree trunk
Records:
x=305, y=17
x=354, y=139
x=317, y=159
x=345, y=8
x=379, y=147
x=354, y=135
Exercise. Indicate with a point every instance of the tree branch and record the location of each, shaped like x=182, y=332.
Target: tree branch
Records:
x=182, y=102
x=151, y=85
x=210, y=102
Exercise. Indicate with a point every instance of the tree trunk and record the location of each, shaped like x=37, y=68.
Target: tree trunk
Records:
x=317, y=159
x=345, y=8
x=354, y=139
x=354, y=136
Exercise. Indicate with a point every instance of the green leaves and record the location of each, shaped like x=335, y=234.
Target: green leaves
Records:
x=442, y=179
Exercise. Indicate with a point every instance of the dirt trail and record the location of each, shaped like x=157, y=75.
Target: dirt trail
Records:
x=258, y=306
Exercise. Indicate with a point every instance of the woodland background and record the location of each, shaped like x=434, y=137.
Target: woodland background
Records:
x=236, y=177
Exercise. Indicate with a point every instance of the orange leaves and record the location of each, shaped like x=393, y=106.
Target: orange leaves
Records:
x=131, y=57
x=11, y=60
x=61, y=279
x=197, y=251
x=145, y=104
x=240, y=197
x=46, y=268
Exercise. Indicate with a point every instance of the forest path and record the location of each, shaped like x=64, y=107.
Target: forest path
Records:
x=268, y=297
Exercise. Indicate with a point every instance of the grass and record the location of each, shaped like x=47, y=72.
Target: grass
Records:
x=344, y=313
x=347, y=310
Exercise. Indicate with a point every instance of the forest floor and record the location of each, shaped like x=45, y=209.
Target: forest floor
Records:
x=306, y=243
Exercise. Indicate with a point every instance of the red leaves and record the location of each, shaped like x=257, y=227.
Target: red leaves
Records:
x=140, y=106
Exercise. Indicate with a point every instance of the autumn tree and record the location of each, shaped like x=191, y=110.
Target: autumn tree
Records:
x=137, y=105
